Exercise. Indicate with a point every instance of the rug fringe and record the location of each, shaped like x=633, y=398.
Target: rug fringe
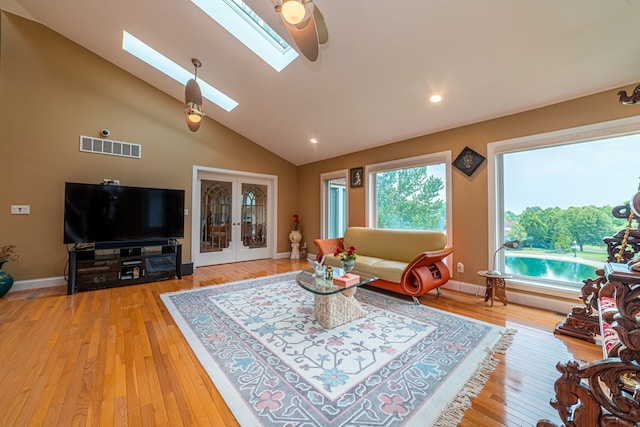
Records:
x=453, y=414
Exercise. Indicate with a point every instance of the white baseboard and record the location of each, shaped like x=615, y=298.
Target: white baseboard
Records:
x=531, y=300
x=281, y=255
x=48, y=282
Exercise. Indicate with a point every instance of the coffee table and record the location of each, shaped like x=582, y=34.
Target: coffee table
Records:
x=333, y=305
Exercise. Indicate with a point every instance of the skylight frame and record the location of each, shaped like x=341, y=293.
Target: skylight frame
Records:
x=147, y=54
x=240, y=20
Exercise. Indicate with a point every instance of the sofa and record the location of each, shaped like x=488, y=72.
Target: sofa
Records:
x=408, y=262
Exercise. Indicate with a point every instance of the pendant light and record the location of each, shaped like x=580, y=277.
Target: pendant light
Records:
x=193, y=100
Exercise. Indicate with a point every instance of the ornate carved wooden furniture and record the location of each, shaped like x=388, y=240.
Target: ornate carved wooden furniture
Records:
x=606, y=392
x=634, y=98
x=583, y=322
x=628, y=237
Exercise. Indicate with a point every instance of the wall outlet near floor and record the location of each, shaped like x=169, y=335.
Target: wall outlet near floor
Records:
x=460, y=267
x=20, y=209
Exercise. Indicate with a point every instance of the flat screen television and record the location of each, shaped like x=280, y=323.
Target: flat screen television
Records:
x=96, y=213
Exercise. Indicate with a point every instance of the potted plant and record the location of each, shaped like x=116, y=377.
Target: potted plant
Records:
x=347, y=257
x=7, y=253
x=296, y=229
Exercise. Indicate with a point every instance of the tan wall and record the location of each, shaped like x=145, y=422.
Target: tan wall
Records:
x=51, y=92
x=470, y=222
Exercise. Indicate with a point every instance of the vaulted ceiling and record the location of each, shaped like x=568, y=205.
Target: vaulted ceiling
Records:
x=373, y=79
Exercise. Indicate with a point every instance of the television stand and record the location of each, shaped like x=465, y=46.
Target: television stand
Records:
x=102, y=266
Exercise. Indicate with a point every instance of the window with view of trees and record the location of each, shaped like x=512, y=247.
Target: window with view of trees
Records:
x=334, y=204
x=556, y=194
x=409, y=194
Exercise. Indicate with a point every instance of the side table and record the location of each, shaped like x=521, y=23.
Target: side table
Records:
x=496, y=287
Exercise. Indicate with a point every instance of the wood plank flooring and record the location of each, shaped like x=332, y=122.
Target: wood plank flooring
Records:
x=114, y=357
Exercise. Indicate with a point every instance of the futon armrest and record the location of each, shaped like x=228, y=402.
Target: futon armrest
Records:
x=428, y=258
x=425, y=272
x=327, y=246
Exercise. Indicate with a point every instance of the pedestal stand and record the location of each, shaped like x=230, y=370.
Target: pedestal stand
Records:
x=295, y=251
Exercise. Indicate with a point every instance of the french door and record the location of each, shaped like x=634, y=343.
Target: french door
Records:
x=233, y=217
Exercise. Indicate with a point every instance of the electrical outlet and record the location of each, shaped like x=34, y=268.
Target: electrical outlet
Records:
x=460, y=267
x=20, y=209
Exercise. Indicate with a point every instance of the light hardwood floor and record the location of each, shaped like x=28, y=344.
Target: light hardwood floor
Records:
x=115, y=357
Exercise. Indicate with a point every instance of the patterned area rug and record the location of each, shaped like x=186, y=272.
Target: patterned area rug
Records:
x=401, y=364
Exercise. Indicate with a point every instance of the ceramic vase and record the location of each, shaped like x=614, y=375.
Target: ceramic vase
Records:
x=295, y=236
x=6, y=280
x=348, y=264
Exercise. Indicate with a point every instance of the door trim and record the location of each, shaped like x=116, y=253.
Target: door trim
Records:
x=272, y=231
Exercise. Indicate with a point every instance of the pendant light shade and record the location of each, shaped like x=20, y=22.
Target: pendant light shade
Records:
x=293, y=11
x=193, y=100
x=305, y=24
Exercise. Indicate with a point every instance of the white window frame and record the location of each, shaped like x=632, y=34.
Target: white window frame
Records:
x=423, y=160
x=324, y=195
x=495, y=150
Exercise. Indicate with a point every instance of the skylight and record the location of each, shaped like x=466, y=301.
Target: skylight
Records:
x=243, y=23
x=161, y=63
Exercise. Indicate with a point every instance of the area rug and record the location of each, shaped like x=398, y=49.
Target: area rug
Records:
x=274, y=365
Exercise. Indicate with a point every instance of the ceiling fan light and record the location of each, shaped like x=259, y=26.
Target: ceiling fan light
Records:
x=293, y=11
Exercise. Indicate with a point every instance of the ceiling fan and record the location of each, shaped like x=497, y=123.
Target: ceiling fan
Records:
x=305, y=24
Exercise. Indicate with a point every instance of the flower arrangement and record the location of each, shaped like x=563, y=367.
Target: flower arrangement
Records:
x=345, y=254
x=8, y=253
x=295, y=225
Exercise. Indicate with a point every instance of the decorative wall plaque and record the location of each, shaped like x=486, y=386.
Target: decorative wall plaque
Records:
x=468, y=161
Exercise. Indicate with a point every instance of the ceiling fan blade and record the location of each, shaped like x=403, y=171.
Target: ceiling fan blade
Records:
x=306, y=39
x=323, y=33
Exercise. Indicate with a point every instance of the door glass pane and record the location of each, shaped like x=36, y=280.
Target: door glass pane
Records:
x=336, y=207
x=254, y=215
x=215, y=218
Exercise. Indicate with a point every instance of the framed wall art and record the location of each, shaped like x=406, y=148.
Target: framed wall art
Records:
x=468, y=161
x=356, y=177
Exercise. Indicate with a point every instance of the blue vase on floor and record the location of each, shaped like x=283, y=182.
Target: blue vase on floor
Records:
x=6, y=280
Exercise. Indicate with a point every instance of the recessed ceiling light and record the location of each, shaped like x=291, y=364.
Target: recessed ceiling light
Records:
x=313, y=141
x=435, y=98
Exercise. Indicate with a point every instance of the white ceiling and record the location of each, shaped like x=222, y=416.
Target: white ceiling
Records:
x=372, y=82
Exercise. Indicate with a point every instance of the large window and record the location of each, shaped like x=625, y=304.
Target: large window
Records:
x=554, y=193
x=410, y=193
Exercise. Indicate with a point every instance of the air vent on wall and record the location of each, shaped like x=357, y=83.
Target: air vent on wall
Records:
x=107, y=146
